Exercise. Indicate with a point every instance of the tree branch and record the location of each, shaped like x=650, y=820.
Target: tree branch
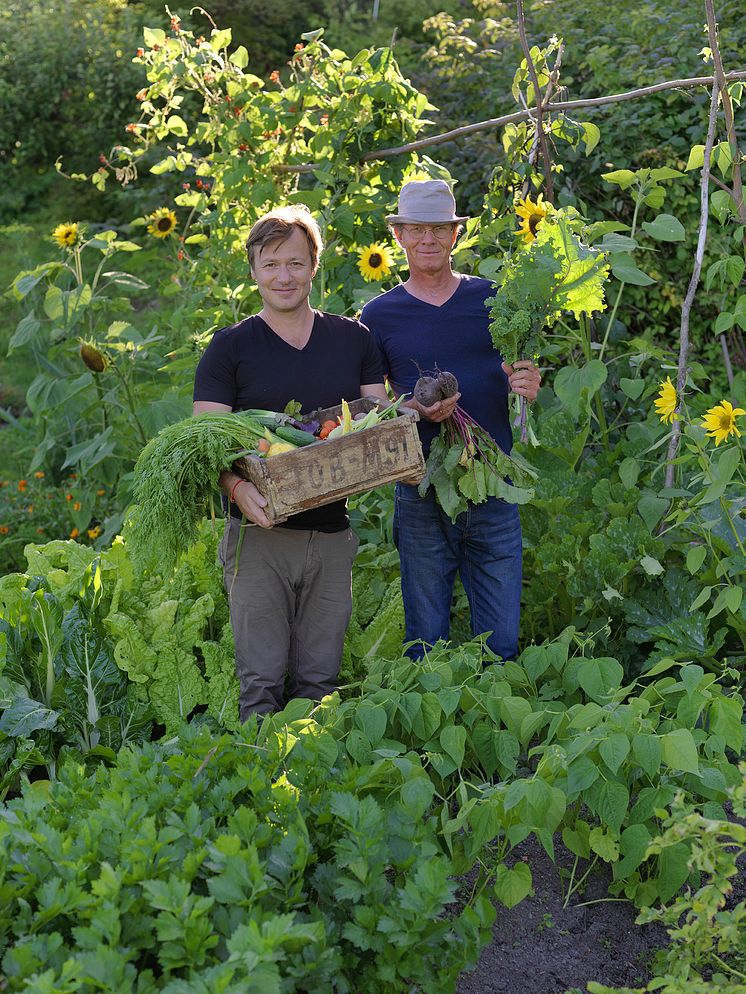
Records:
x=538, y=124
x=712, y=32
x=522, y=115
x=673, y=444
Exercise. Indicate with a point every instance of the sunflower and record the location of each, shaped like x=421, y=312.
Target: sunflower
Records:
x=720, y=421
x=66, y=235
x=375, y=261
x=162, y=222
x=532, y=214
x=665, y=402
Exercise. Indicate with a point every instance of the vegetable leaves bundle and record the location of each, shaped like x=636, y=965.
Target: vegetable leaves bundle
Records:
x=555, y=273
x=175, y=478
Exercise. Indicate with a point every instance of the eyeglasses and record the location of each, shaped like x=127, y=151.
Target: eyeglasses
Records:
x=443, y=232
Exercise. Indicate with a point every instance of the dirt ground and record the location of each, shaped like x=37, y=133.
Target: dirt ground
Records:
x=539, y=947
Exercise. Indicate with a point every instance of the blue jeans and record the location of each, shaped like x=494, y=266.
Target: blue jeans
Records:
x=484, y=545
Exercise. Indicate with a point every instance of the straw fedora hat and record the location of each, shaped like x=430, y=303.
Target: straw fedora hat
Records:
x=428, y=201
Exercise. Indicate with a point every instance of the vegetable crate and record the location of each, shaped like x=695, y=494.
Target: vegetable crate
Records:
x=332, y=469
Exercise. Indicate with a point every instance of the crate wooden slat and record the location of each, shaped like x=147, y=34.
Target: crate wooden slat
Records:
x=318, y=474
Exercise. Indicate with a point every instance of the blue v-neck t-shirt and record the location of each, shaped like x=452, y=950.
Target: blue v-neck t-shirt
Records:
x=413, y=335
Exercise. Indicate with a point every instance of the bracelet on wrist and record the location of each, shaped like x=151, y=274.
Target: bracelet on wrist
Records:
x=232, y=498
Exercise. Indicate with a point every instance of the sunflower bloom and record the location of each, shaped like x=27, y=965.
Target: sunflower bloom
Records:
x=66, y=235
x=531, y=214
x=375, y=261
x=665, y=402
x=162, y=222
x=720, y=421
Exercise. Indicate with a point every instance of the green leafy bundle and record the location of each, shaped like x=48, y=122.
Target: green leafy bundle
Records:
x=175, y=476
x=466, y=466
x=555, y=273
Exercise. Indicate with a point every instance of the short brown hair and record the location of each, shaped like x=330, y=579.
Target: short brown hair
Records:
x=277, y=226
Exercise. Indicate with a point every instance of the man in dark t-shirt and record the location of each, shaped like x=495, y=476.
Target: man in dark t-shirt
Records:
x=437, y=320
x=289, y=593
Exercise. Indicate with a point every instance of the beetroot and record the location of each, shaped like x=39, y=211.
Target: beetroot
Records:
x=427, y=391
x=448, y=384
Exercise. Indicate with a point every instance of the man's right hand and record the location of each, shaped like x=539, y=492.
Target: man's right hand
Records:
x=251, y=504
x=436, y=412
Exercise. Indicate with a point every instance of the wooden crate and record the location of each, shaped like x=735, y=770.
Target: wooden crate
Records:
x=326, y=471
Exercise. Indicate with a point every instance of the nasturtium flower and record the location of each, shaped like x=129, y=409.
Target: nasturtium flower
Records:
x=66, y=235
x=375, y=261
x=162, y=222
x=720, y=421
x=531, y=214
x=665, y=402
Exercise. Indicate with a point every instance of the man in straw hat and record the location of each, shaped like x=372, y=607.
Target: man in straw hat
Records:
x=437, y=319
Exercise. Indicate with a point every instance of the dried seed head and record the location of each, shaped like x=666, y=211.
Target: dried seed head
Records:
x=96, y=361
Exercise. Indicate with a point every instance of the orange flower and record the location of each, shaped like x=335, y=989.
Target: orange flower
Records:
x=74, y=533
x=22, y=484
x=76, y=505
x=100, y=493
x=39, y=475
x=4, y=529
x=68, y=496
x=274, y=76
x=94, y=532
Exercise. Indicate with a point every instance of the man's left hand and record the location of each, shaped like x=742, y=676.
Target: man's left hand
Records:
x=524, y=378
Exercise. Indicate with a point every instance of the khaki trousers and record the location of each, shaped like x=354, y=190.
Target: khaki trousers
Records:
x=290, y=603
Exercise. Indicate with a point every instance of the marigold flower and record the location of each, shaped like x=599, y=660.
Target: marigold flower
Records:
x=666, y=401
x=22, y=484
x=4, y=529
x=39, y=475
x=77, y=505
x=720, y=421
x=375, y=261
x=68, y=496
x=74, y=533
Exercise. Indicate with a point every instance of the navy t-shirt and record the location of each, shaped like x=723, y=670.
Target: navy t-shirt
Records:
x=248, y=366
x=413, y=335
